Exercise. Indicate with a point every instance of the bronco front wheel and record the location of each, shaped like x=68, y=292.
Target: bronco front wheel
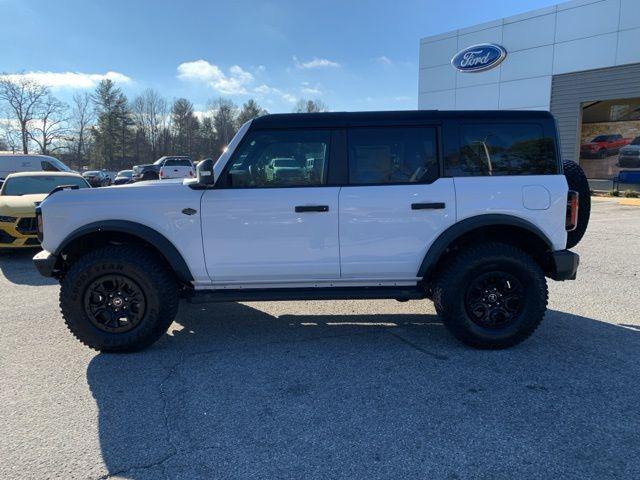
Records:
x=118, y=299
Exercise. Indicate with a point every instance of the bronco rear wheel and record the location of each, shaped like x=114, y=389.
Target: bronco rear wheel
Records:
x=491, y=296
x=118, y=299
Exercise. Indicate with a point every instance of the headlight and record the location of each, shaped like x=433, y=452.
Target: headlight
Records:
x=4, y=219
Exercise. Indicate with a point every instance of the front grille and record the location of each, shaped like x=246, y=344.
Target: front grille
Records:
x=27, y=226
x=5, y=237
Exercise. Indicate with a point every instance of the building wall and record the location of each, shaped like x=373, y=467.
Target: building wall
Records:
x=572, y=36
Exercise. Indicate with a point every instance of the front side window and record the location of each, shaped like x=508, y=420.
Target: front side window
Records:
x=502, y=149
x=280, y=158
x=388, y=155
x=48, y=167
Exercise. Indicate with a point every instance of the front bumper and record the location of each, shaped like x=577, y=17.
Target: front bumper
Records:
x=629, y=161
x=45, y=262
x=565, y=265
x=18, y=234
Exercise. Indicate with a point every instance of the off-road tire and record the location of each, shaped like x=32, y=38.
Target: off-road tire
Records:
x=577, y=180
x=456, y=278
x=154, y=279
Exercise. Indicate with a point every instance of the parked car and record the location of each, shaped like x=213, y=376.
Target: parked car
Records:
x=176, y=167
x=123, y=177
x=388, y=217
x=629, y=156
x=19, y=196
x=29, y=163
x=603, y=145
x=284, y=170
x=97, y=178
x=152, y=171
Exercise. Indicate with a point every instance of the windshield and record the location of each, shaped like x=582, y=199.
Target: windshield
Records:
x=159, y=161
x=91, y=174
x=41, y=184
x=124, y=173
x=636, y=141
x=600, y=138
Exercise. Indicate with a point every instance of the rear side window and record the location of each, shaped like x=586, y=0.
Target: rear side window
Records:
x=502, y=149
x=392, y=155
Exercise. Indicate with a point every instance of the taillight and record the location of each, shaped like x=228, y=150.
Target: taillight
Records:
x=39, y=224
x=160, y=174
x=191, y=173
x=572, y=211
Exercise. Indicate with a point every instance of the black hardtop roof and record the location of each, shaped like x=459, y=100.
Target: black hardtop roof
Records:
x=343, y=119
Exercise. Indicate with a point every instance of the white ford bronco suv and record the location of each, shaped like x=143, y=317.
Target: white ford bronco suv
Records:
x=472, y=209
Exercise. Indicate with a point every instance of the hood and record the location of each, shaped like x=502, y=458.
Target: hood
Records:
x=20, y=206
x=630, y=148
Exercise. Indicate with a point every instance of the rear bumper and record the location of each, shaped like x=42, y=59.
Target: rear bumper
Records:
x=45, y=263
x=565, y=265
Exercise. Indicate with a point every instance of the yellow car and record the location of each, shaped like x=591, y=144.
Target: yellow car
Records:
x=19, y=196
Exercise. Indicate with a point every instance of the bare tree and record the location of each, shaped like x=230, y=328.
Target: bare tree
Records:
x=310, y=106
x=23, y=98
x=150, y=114
x=225, y=114
x=50, y=126
x=82, y=116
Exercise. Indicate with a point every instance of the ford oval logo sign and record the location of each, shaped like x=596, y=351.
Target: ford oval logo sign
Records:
x=479, y=58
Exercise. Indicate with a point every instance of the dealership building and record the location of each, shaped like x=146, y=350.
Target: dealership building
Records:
x=579, y=59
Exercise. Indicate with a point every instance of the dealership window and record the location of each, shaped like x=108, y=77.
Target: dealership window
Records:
x=502, y=149
x=280, y=158
x=380, y=155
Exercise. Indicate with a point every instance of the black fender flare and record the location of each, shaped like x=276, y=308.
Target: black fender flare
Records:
x=148, y=234
x=451, y=234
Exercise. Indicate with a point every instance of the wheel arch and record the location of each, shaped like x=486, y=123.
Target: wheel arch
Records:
x=123, y=231
x=488, y=227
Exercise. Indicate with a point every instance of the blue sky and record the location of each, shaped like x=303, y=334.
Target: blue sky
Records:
x=351, y=54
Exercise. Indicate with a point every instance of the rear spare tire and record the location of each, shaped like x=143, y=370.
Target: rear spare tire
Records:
x=577, y=180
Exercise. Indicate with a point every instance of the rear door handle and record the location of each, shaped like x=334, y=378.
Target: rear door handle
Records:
x=428, y=206
x=312, y=208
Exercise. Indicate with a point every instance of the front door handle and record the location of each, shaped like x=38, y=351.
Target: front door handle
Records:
x=428, y=206
x=312, y=208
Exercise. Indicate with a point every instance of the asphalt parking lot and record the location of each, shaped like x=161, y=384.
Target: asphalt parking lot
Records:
x=352, y=389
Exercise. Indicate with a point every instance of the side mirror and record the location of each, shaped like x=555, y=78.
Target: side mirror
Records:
x=204, y=172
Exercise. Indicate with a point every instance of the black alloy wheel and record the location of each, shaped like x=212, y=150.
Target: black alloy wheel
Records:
x=114, y=303
x=494, y=299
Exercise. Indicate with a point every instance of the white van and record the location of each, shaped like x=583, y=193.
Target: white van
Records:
x=14, y=163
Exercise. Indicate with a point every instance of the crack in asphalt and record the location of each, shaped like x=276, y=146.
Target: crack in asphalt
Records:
x=418, y=347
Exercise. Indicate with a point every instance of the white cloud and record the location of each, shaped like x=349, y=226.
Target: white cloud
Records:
x=384, y=60
x=266, y=90
x=315, y=63
x=233, y=83
x=75, y=80
x=309, y=89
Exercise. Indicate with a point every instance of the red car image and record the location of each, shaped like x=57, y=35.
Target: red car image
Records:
x=603, y=145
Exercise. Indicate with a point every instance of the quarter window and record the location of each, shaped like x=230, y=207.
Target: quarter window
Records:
x=381, y=155
x=502, y=149
x=280, y=158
